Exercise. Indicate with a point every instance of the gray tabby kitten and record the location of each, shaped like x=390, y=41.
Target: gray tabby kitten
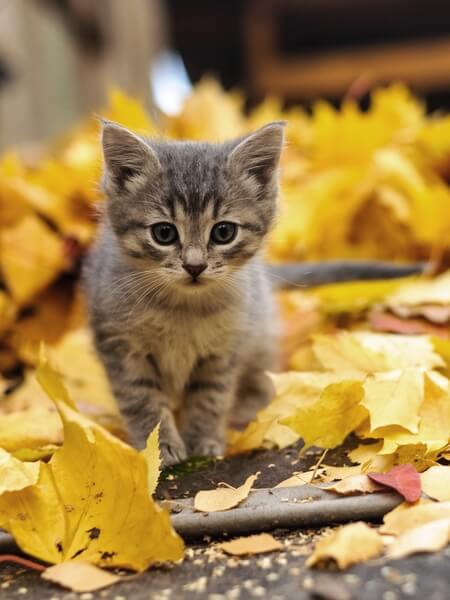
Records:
x=178, y=298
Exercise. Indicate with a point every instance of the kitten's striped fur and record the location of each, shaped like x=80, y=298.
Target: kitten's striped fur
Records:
x=177, y=353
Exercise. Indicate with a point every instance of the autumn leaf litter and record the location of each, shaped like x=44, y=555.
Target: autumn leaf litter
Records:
x=390, y=391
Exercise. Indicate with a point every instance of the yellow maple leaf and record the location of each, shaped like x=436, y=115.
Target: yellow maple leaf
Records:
x=129, y=112
x=394, y=398
x=293, y=390
x=367, y=352
x=432, y=415
x=327, y=421
x=31, y=256
x=91, y=501
x=208, y=114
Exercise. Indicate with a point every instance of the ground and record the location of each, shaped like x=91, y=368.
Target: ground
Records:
x=207, y=573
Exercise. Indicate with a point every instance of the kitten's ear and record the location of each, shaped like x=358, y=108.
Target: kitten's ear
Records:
x=259, y=153
x=126, y=155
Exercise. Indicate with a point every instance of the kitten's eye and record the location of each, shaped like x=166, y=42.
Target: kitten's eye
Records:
x=223, y=232
x=164, y=234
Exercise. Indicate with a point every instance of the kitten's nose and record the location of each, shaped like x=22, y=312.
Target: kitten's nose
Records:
x=195, y=269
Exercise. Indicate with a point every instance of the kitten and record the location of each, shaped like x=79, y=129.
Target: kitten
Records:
x=179, y=302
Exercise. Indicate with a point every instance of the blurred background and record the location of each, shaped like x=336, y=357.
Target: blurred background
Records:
x=59, y=57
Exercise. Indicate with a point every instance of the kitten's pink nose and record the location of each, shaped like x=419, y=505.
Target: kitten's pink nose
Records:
x=194, y=270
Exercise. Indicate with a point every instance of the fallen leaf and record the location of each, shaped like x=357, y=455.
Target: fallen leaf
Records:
x=368, y=353
x=153, y=459
x=31, y=256
x=365, y=452
x=436, y=483
x=16, y=475
x=407, y=516
x=347, y=546
x=33, y=428
x=327, y=421
x=430, y=537
x=300, y=478
x=336, y=473
x=80, y=576
x=382, y=321
x=355, y=484
x=404, y=479
x=91, y=501
x=420, y=294
x=223, y=498
x=394, y=398
x=252, y=544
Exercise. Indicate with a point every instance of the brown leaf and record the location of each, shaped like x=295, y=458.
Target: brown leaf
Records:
x=430, y=537
x=299, y=478
x=347, y=546
x=223, y=498
x=80, y=576
x=406, y=517
x=355, y=484
x=252, y=544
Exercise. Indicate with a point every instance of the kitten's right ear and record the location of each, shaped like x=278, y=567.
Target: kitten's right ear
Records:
x=126, y=155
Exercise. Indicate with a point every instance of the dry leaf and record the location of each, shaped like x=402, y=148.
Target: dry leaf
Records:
x=430, y=537
x=223, y=498
x=355, y=484
x=33, y=428
x=31, y=256
x=327, y=421
x=91, y=501
x=16, y=475
x=300, y=478
x=404, y=479
x=80, y=576
x=436, y=483
x=334, y=473
x=407, y=516
x=347, y=546
x=365, y=352
x=394, y=398
x=252, y=544
x=153, y=459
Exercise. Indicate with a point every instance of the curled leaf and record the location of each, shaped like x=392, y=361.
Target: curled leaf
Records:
x=347, y=546
x=223, y=498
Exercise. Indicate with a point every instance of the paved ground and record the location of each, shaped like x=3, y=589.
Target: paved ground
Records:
x=207, y=573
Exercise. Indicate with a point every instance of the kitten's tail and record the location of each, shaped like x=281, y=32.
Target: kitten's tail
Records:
x=310, y=274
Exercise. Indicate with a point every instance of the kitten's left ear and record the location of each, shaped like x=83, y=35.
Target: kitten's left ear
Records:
x=259, y=153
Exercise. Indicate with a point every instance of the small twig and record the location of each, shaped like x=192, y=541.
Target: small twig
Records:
x=319, y=462
x=23, y=562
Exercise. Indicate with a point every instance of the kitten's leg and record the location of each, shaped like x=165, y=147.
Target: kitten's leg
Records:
x=208, y=398
x=136, y=384
x=254, y=393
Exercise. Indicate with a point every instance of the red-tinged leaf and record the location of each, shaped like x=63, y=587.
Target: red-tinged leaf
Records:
x=380, y=321
x=404, y=479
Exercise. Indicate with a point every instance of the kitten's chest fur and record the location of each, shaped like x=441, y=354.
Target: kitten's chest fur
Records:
x=178, y=341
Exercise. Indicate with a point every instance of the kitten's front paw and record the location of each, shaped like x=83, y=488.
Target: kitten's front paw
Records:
x=172, y=452
x=206, y=447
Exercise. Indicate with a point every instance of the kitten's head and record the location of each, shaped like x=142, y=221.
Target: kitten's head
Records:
x=191, y=213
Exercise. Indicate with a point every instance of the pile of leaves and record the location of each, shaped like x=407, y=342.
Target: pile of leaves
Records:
x=351, y=180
